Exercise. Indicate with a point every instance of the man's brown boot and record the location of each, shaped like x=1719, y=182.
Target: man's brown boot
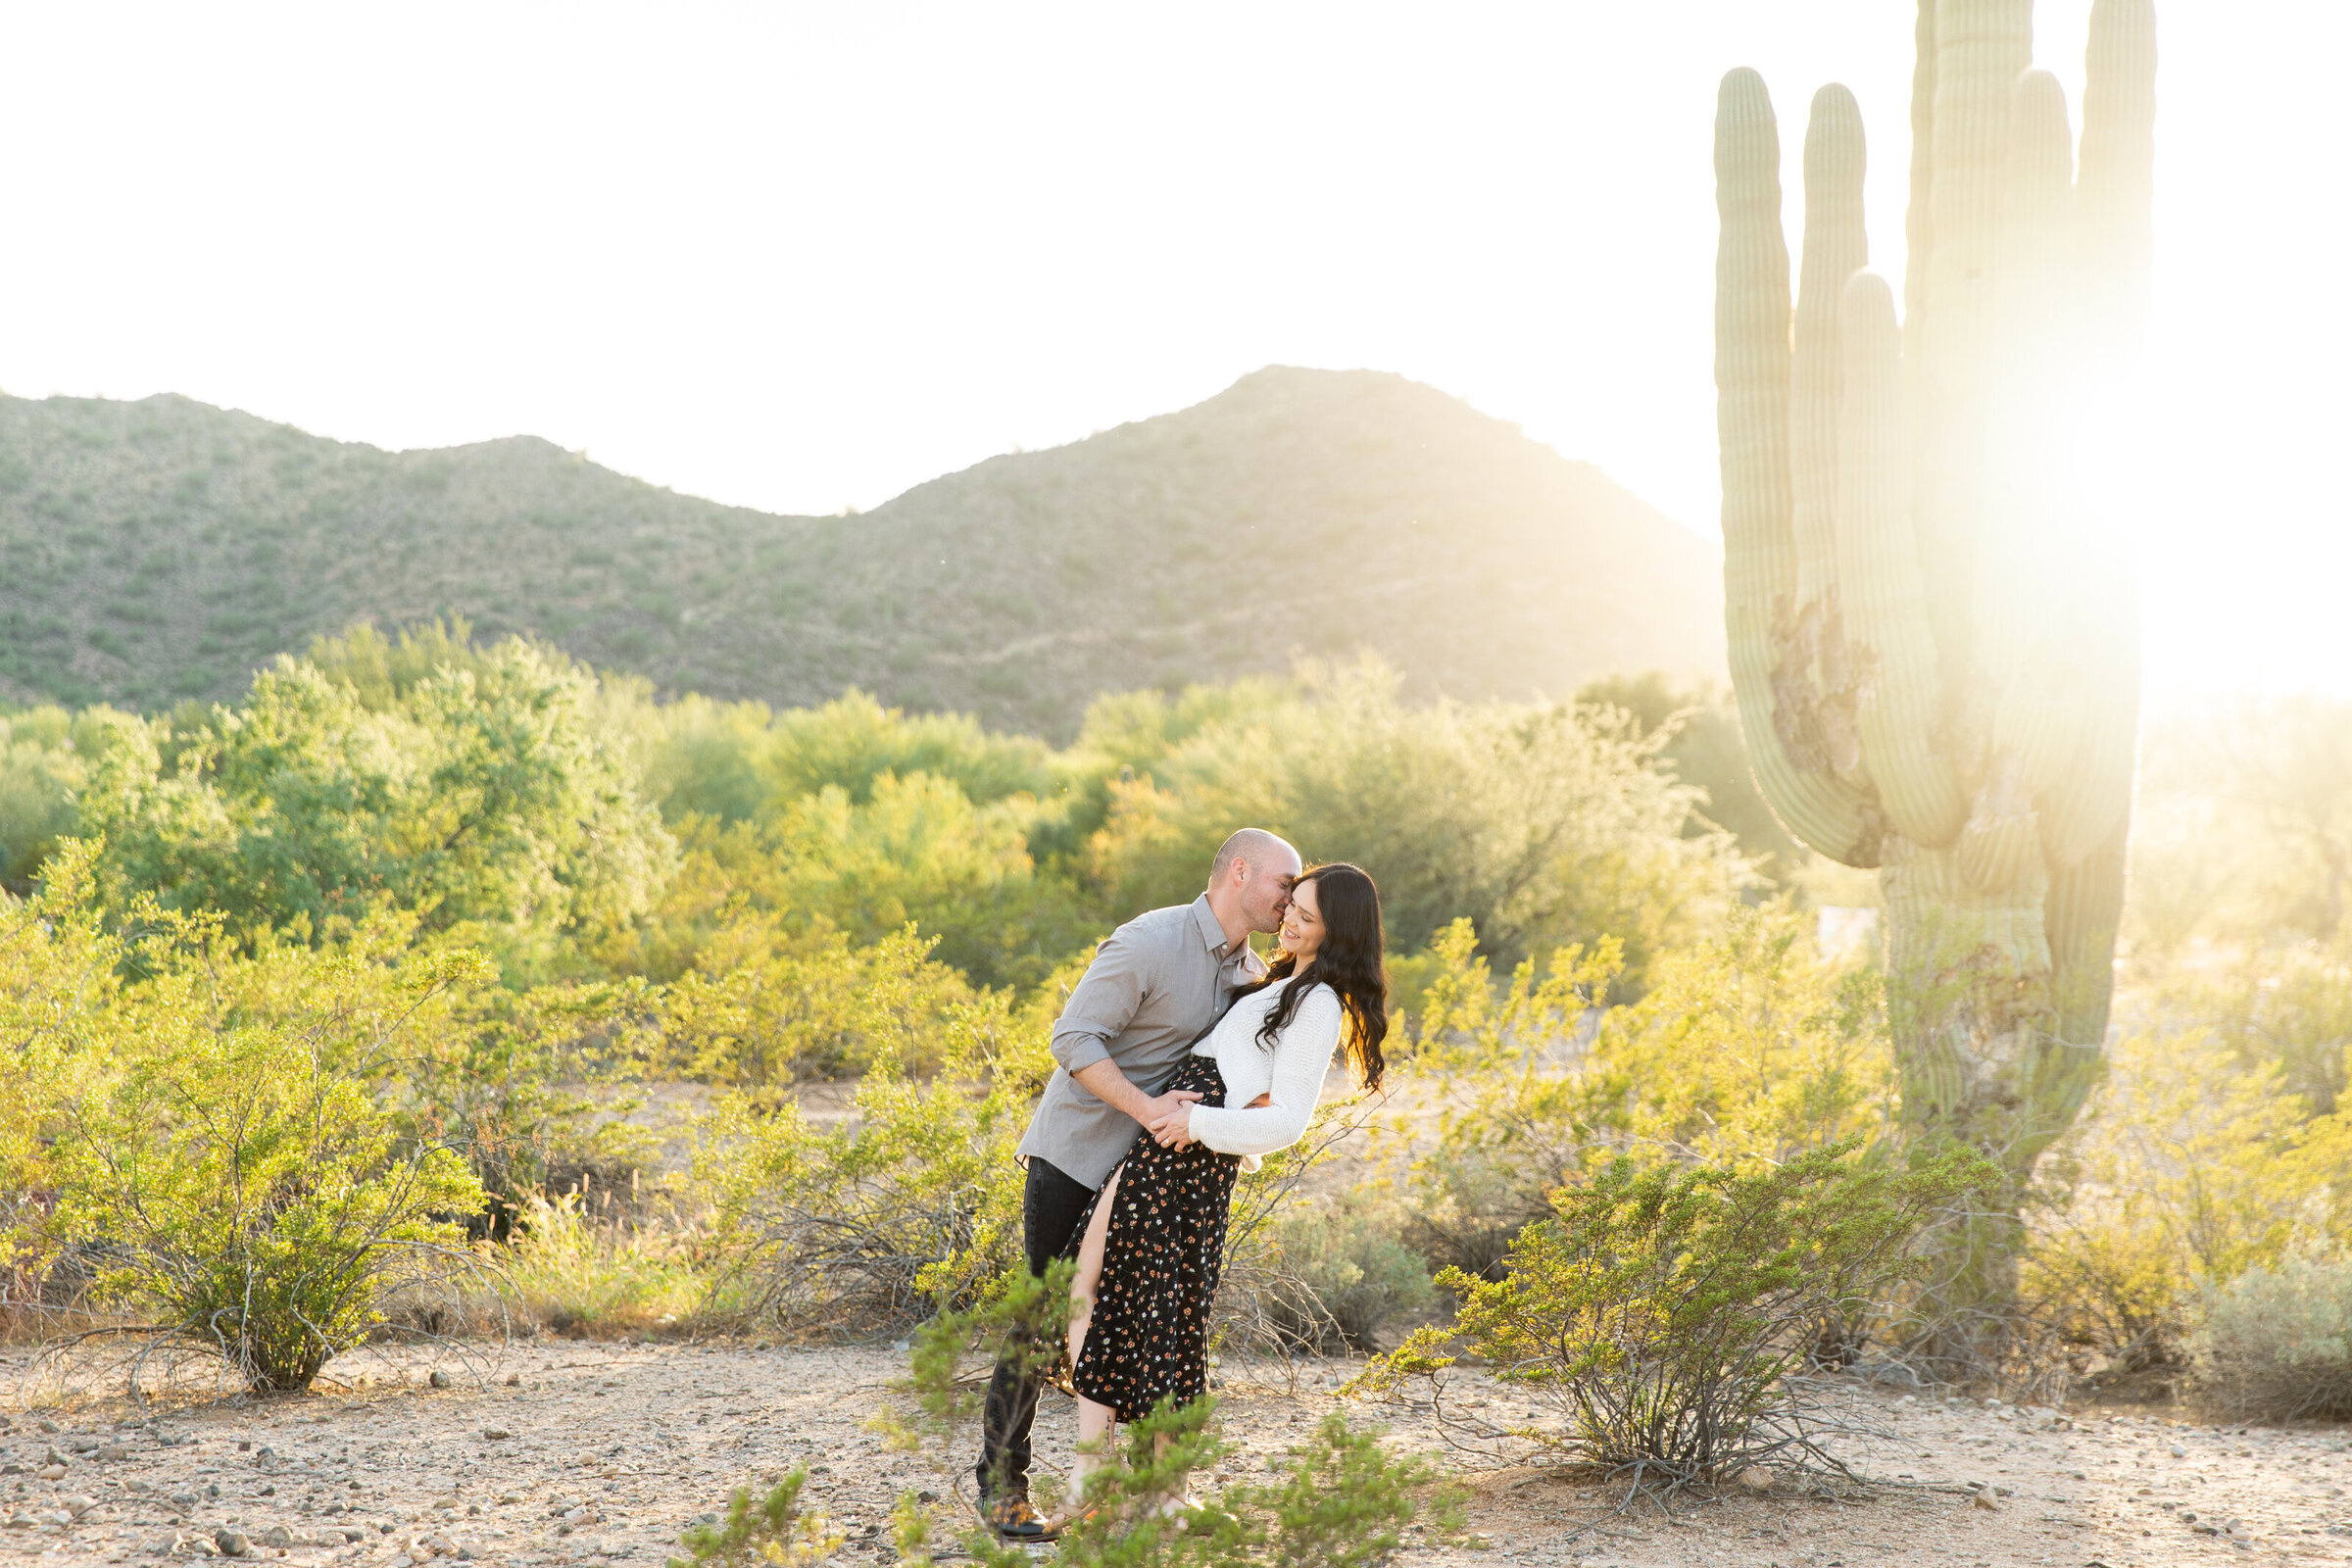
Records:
x=1012, y=1519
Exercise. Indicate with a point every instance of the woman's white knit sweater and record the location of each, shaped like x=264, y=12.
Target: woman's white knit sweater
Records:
x=1292, y=1072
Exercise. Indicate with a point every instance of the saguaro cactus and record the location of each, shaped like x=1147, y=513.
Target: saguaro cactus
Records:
x=1935, y=657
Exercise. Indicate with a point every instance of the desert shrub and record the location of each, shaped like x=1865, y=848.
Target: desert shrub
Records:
x=2276, y=1343
x=1706, y=750
x=1663, y=1312
x=775, y=1530
x=1338, y=1498
x=1502, y=1067
x=914, y=850
x=2188, y=1167
x=2288, y=1008
x=236, y=1195
x=1338, y=1278
x=870, y=1225
x=481, y=795
x=572, y=1272
x=1748, y=1049
x=2242, y=834
x=1544, y=825
x=46, y=755
x=502, y=1076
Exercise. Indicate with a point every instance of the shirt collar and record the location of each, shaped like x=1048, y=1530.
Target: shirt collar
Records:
x=1212, y=933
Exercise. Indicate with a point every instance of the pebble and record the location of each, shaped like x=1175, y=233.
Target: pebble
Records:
x=232, y=1543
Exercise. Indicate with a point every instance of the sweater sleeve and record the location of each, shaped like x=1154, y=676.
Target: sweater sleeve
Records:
x=1301, y=1056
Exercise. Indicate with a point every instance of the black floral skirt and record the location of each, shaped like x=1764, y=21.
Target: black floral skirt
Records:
x=1148, y=1337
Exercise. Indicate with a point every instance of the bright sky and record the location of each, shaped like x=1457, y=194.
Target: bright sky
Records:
x=805, y=256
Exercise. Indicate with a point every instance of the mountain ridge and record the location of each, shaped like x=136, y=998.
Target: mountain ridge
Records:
x=157, y=551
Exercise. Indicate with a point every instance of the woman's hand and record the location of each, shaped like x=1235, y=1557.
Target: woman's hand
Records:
x=1172, y=1129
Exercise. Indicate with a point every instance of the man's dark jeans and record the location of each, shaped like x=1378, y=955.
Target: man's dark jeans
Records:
x=1050, y=1205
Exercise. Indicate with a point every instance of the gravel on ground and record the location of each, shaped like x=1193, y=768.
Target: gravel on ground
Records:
x=589, y=1452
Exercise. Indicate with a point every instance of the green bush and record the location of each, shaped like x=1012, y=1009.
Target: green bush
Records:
x=1339, y=1278
x=774, y=1531
x=1746, y=1049
x=2186, y=1168
x=766, y=1007
x=1339, y=1499
x=2275, y=1343
x=482, y=797
x=1662, y=1311
x=1544, y=825
x=236, y=1195
x=574, y=1273
x=870, y=1224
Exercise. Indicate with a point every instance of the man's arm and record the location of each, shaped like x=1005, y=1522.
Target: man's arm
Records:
x=1099, y=1006
x=1104, y=1080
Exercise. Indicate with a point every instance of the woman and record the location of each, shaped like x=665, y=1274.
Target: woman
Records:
x=1154, y=1240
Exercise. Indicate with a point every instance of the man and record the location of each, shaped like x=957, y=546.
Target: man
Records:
x=1157, y=985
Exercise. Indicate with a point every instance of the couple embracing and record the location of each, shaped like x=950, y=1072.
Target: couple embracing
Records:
x=1182, y=1058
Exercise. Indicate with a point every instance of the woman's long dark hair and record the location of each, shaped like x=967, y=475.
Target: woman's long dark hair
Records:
x=1350, y=961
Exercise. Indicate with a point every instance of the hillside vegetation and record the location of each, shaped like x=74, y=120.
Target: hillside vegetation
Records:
x=157, y=551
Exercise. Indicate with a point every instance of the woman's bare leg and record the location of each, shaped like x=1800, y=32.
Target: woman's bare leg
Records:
x=1094, y=1421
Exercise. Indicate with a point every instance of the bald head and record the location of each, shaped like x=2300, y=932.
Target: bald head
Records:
x=1249, y=881
x=1260, y=849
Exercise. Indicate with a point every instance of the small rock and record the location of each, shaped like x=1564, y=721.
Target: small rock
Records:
x=277, y=1536
x=77, y=1506
x=439, y=1379
x=2179, y=1452
x=496, y=1434
x=1982, y=1499
x=51, y=1472
x=232, y=1543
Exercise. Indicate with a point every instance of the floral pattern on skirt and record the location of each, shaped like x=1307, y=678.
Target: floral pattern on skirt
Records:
x=1148, y=1337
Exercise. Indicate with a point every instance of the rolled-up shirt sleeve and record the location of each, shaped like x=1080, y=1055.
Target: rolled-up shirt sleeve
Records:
x=1099, y=1006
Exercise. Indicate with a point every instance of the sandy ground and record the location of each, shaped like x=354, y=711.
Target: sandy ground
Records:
x=603, y=1453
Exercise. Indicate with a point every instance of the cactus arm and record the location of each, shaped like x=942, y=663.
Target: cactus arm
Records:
x=1878, y=565
x=1918, y=235
x=1759, y=554
x=2092, y=799
x=2029, y=556
x=1835, y=248
x=1981, y=46
x=2114, y=192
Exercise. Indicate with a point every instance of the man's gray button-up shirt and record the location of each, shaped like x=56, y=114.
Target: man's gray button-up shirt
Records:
x=1156, y=986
